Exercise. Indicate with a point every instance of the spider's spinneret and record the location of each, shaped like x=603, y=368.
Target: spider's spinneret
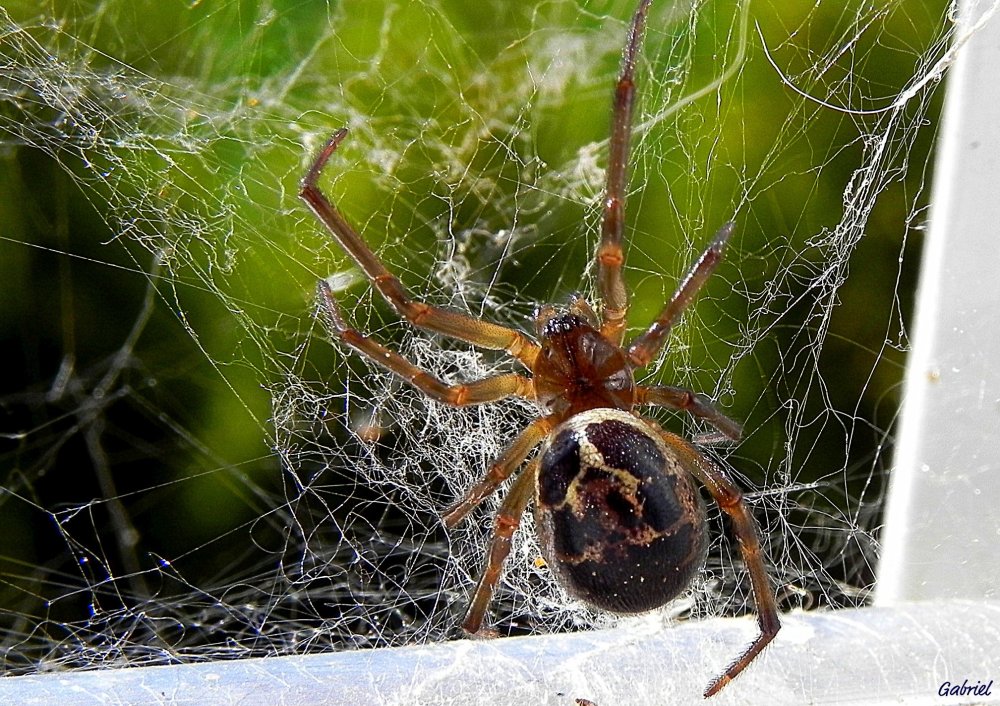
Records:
x=620, y=521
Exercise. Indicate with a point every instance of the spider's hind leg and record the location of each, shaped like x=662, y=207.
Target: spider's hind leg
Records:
x=500, y=470
x=730, y=500
x=507, y=520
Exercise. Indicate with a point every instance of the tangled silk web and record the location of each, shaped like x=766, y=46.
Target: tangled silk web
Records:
x=199, y=474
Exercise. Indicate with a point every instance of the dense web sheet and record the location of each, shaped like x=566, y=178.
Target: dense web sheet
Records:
x=192, y=472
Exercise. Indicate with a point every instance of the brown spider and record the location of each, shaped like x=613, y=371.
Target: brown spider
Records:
x=619, y=517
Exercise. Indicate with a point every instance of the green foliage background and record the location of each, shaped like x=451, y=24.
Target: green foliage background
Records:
x=239, y=95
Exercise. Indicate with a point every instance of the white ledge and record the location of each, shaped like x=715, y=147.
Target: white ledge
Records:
x=886, y=655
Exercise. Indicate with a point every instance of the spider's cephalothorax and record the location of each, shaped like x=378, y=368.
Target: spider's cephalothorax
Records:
x=619, y=518
x=579, y=369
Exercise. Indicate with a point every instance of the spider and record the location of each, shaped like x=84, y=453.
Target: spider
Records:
x=619, y=518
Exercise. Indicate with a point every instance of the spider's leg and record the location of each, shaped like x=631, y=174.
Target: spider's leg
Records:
x=696, y=404
x=609, y=254
x=475, y=392
x=501, y=469
x=729, y=498
x=506, y=521
x=450, y=323
x=644, y=348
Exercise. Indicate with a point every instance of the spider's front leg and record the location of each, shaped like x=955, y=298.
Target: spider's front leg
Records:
x=644, y=348
x=610, y=256
x=450, y=323
x=470, y=393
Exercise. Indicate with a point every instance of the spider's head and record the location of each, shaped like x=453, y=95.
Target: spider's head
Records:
x=561, y=324
x=551, y=320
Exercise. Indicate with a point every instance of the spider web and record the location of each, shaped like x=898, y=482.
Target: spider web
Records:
x=192, y=472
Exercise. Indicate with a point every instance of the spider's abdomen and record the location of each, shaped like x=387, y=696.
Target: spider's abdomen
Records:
x=621, y=522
